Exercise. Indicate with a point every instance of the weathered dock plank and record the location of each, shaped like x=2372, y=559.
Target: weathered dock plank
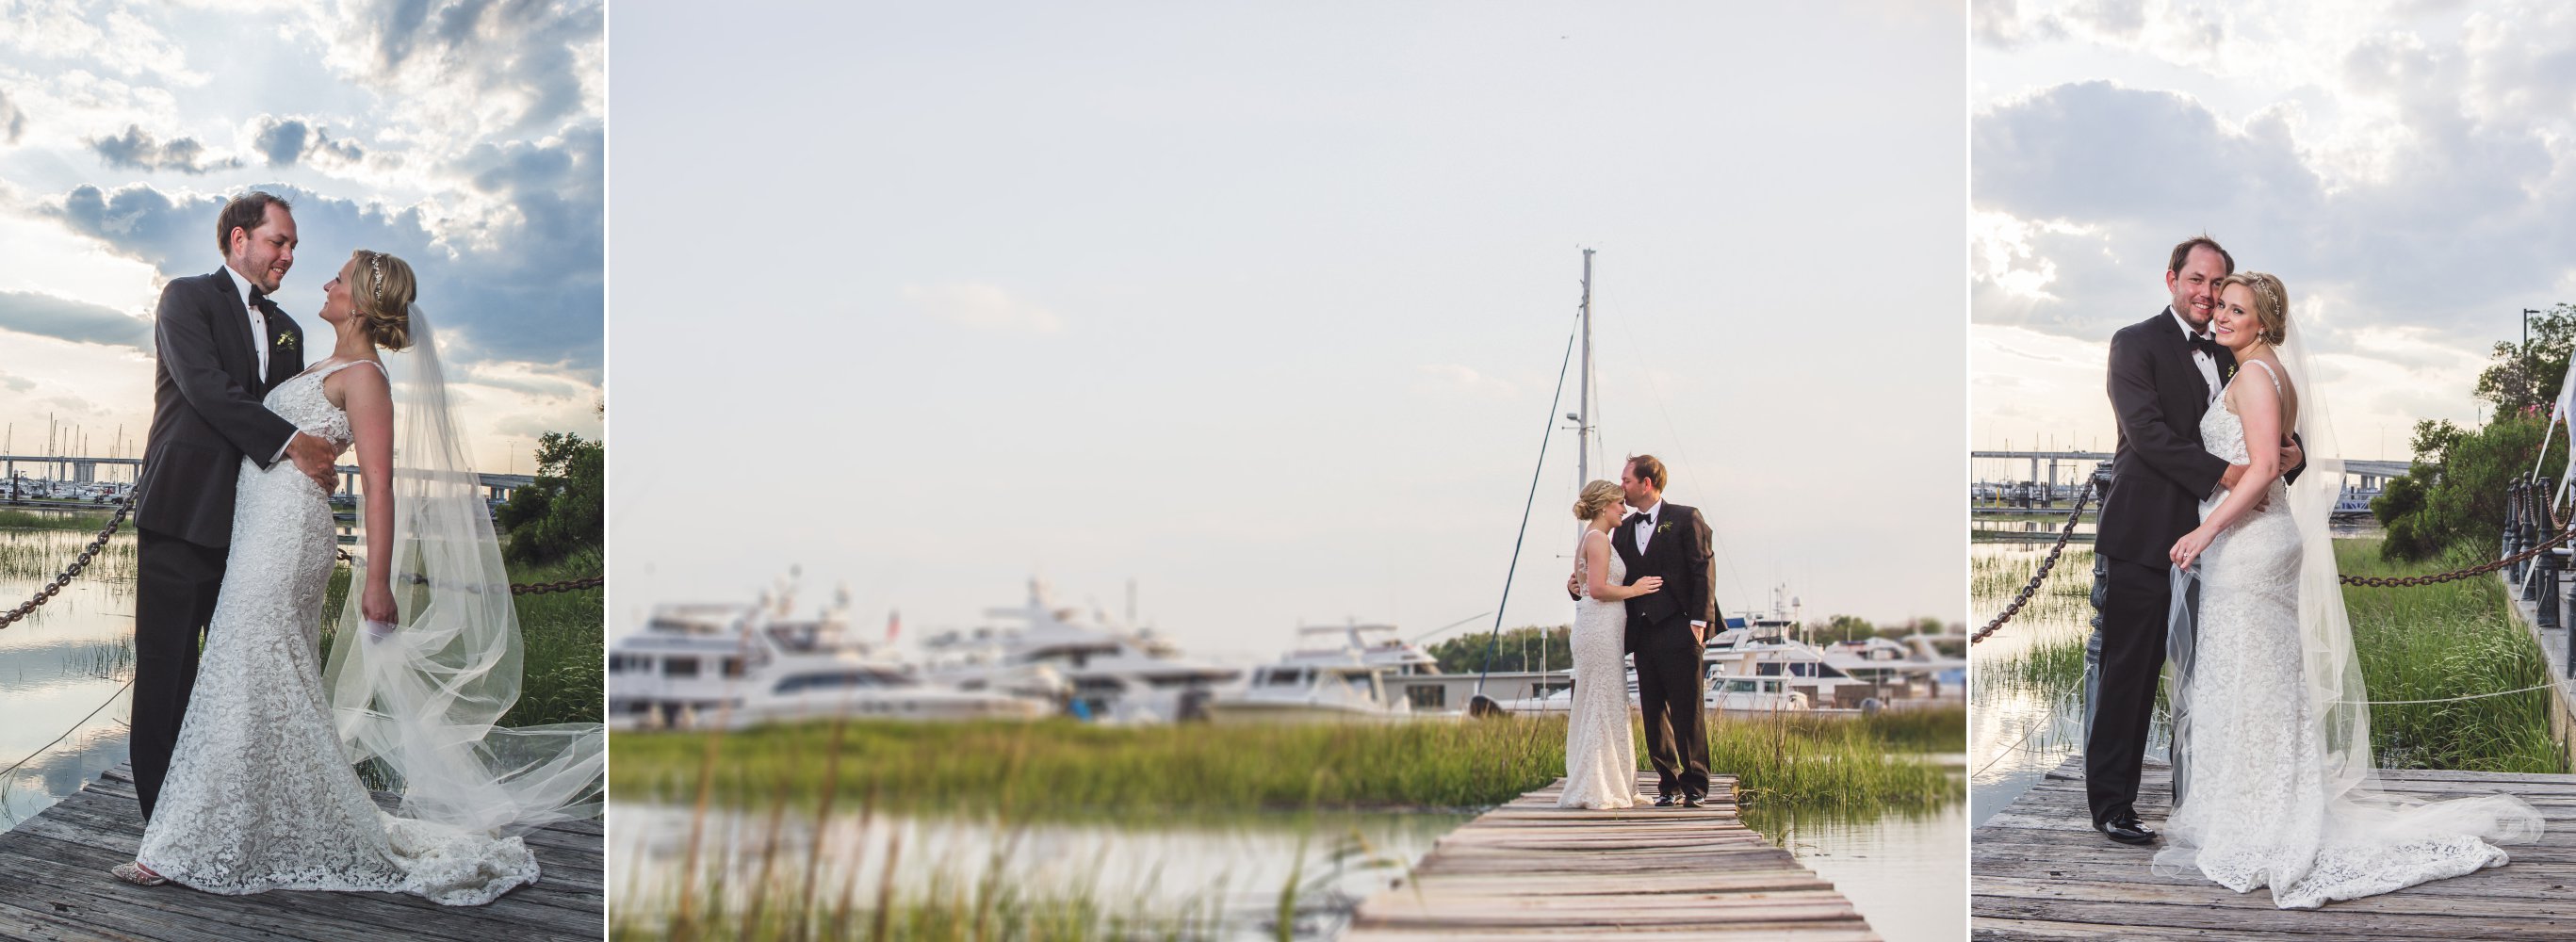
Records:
x=1531, y=869
x=2041, y=872
x=54, y=885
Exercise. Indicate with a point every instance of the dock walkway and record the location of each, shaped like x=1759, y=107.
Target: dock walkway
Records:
x=1534, y=870
x=2042, y=872
x=54, y=885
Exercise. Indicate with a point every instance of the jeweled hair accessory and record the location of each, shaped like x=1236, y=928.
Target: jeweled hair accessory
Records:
x=376, y=266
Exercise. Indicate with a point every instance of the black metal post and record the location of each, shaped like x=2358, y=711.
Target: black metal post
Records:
x=2101, y=484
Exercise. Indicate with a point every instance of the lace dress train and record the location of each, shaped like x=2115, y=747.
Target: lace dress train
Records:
x=261, y=794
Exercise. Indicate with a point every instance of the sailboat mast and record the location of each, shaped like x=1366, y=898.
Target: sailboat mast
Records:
x=1583, y=424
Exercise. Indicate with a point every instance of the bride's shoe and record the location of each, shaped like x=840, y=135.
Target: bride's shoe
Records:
x=134, y=872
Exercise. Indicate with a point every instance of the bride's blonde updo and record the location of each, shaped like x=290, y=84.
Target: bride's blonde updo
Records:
x=2271, y=303
x=380, y=292
x=1596, y=495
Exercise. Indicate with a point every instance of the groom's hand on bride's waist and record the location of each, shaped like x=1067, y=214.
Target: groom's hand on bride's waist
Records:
x=313, y=456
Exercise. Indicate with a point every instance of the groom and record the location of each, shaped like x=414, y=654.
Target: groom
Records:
x=2165, y=374
x=1667, y=628
x=219, y=344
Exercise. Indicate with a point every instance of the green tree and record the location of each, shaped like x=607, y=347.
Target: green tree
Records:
x=1515, y=649
x=2455, y=492
x=560, y=512
x=2525, y=375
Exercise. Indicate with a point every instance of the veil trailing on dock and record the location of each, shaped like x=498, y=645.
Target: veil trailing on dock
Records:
x=421, y=700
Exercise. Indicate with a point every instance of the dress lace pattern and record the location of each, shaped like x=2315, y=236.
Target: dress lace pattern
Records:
x=2258, y=811
x=1600, y=756
x=260, y=794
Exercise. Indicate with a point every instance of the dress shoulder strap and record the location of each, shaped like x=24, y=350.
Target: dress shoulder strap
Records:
x=2267, y=371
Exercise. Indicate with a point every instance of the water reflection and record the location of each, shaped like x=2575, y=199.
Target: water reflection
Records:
x=63, y=669
x=1231, y=873
x=1902, y=870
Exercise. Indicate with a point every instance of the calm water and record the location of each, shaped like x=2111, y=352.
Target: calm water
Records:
x=1901, y=871
x=63, y=669
x=2020, y=727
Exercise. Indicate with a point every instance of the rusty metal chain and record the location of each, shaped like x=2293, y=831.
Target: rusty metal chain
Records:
x=90, y=552
x=2023, y=597
x=517, y=588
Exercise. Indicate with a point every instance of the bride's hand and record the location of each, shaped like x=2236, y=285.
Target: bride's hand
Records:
x=2190, y=546
x=1647, y=585
x=378, y=604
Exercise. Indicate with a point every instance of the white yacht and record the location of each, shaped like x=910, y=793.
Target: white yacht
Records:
x=1351, y=672
x=1112, y=673
x=696, y=665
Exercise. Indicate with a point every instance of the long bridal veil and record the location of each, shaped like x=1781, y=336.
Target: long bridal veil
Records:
x=2336, y=702
x=422, y=699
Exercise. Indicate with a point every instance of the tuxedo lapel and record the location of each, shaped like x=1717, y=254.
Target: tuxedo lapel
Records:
x=232, y=335
x=284, y=361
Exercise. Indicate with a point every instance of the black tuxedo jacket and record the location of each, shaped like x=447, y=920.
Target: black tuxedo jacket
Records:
x=2161, y=471
x=1679, y=552
x=206, y=412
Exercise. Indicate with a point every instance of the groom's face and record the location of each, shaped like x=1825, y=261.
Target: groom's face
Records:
x=264, y=254
x=1640, y=492
x=2195, y=287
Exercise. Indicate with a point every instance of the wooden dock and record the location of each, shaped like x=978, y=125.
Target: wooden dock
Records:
x=54, y=885
x=2042, y=872
x=1531, y=869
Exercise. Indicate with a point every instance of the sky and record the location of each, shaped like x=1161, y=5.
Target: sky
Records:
x=2407, y=169
x=465, y=137
x=1262, y=306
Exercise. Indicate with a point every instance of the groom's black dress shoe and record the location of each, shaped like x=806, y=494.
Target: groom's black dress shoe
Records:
x=2127, y=829
x=1694, y=801
x=1663, y=801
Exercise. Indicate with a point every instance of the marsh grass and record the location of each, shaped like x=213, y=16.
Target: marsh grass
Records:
x=2443, y=641
x=39, y=555
x=1157, y=771
x=89, y=520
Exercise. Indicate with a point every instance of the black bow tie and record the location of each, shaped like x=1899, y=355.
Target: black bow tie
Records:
x=257, y=296
x=1636, y=520
x=2206, y=344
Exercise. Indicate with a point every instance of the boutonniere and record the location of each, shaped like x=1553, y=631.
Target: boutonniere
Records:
x=286, y=340
x=1661, y=527
x=2231, y=371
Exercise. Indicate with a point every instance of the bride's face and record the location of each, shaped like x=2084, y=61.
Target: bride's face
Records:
x=335, y=294
x=2235, y=325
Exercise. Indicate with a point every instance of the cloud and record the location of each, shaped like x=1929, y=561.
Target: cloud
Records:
x=113, y=39
x=1454, y=379
x=13, y=122
x=287, y=141
x=137, y=150
x=45, y=315
x=513, y=69
x=527, y=290
x=982, y=307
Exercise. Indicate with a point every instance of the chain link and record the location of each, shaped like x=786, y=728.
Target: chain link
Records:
x=96, y=545
x=517, y=588
x=2023, y=598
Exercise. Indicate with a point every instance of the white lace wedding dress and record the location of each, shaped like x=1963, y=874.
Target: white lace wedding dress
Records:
x=261, y=795
x=2265, y=804
x=1600, y=756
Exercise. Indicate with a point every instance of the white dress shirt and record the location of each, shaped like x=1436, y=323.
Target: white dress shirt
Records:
x=1646, y=534
x=258, y=340
x=2208, y=366
x=258, y=322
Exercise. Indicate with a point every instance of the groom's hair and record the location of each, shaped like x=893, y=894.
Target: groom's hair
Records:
x=246, y=212
x=1648, y=469
x=2182, y=253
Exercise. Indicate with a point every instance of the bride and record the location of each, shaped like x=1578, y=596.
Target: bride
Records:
x=262, y=791
x=1600, y=756
x=2272, y=758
